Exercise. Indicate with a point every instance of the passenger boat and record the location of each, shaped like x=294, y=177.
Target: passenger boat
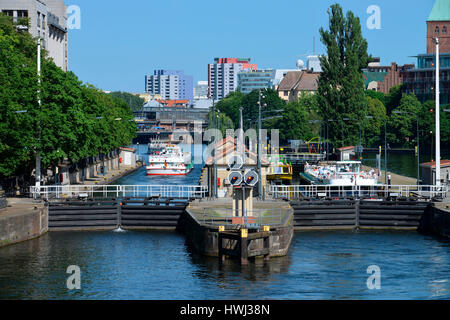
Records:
x=280, y=169
x=170, y=161
x=156, y=146
x=342, y=173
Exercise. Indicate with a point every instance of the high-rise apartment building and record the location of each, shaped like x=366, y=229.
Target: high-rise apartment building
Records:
x=223, y=75
x=47, y=20
x=170, y=84
x=201, y=90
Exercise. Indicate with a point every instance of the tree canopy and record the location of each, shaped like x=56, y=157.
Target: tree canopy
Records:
x=74, y=120
x=134, y=102
x=341, y=86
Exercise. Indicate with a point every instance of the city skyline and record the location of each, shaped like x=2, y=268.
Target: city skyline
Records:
x=190, y=41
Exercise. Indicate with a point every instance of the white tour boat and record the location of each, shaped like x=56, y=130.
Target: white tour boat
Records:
x=342, y=173
x=170, y=161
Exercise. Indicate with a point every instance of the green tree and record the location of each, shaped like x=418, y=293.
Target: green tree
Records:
x=135, y=103
x=393, y=98
x=341, y=86
x=295, y=122
x=230, y=106
x=402, y=127
x=377, y=113
x=376, y=95
x=73, y=122
x=272, y=107
x=18, y=92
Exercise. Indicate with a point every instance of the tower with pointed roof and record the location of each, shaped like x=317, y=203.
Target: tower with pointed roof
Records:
x=438, y=25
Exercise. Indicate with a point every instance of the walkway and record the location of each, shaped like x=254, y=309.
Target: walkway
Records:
x=397, y=180
x=112, y=175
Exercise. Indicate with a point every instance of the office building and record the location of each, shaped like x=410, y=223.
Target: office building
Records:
x=223, y=75
x=47, y=20
x=421, y=80
x=254, y=80
x=170, y=85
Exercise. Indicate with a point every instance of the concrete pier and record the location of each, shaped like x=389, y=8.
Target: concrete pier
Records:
x=21, y=220
x=436, y=220
x=211, y=229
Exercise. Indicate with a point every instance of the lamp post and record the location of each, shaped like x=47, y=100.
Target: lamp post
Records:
x=214, y=173
x=438, y=125
x=259, y=143
x=418, y=142
x=38, y=156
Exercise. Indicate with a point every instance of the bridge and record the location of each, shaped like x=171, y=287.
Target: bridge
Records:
x=161, y=122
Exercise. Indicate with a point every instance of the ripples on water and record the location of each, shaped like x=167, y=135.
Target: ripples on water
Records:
x=159, y=265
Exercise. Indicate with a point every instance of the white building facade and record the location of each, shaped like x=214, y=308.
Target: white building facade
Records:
x=48, y=21
x=223, y=75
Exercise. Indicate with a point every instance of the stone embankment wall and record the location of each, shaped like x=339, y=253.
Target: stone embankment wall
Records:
x=22, y=220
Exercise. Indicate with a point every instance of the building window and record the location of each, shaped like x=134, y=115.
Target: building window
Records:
x=286, y=93
x=444, y=30
x=436, y=31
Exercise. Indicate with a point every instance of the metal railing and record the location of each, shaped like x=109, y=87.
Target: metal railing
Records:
x=110, y=191
x=254, y=218
x=293, y=157
x=379, y=191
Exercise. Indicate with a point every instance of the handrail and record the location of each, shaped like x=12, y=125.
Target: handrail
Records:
x=116, y=191
x=292, y=192
x=255, y=217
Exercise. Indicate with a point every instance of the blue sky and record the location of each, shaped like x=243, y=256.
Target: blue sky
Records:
x=119, y=42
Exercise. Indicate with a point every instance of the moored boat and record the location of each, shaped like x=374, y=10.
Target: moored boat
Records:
x=341, y=173
x=170, y=161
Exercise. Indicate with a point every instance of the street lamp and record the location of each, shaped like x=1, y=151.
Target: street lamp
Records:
x=260, y=96
x=38, y=156
x=418, y=142
x=214, y=173
x=438, y=124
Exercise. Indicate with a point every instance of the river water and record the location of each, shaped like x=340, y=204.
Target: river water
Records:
x=159, y=265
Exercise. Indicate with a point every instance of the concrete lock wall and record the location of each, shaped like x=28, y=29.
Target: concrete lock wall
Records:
x=23, y=226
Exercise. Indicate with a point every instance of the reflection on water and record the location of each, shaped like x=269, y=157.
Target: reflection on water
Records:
x=400, y=163
x=159, y=265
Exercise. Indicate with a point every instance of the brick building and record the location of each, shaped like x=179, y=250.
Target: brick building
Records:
x=383, y=78
x=421, y=80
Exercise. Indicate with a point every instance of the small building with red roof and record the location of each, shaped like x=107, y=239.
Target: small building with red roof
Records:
x=428, y=172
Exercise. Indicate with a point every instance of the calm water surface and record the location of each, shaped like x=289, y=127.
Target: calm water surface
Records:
x=159, y=265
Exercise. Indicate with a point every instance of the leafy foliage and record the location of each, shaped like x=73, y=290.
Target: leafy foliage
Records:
x=73, y=121
x=135, y=103
x=341, y=86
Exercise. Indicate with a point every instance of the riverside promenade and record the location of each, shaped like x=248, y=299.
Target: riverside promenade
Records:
x=397, y=179
x=112, y=175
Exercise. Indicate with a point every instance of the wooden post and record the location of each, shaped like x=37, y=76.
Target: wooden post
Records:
x=220, y=244
x=267, y=246
x=119, y=214
x=244, y=247
x=357, y=207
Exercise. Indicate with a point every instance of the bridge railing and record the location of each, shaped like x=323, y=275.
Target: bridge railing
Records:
x=253, y=218
x=380, y=191
x=123, y=191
